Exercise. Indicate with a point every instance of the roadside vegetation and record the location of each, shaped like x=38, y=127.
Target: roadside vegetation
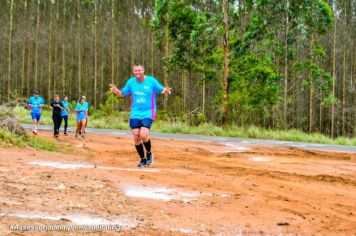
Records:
x=112, y=115
x=12, y=134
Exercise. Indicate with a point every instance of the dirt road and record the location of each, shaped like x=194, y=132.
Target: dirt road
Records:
x=201, y=188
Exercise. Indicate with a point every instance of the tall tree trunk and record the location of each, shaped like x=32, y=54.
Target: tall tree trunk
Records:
x=63, y=50
x=165, y=64
x=225, y=9
x=23, y=73
x=79, y=40
x=354, y=72
x=203, y=94
x=36, y=43
x=71, y=72
x=95, y=52
x=285, y=66
x=102, y=77
x=50, y=56
x=23, y=70
x=132, y=37
x=333, y=79
x=299, y=110
x=344, y=73
x=311, y=95
x=9, y=53
x=183, y=74
x=311, y=92
x=343, y=119
x=152, y=47
x=113, y=41
x=321, y=111
x=29, y=63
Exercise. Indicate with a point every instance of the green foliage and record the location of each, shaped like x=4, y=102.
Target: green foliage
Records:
x=177, y=106
x=9, y=139
x=319, y=16
x=167, y=124
x=192, y=33
x=111, y=104
x=329, y=100
x=255, y=84
x=159, y=19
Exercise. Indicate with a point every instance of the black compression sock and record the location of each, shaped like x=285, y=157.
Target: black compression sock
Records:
x=148, y=145
x=140, y=151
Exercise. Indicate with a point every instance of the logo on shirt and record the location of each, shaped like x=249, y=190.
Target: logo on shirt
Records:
x=146, y=87
x=141, y=100
x=140, y=93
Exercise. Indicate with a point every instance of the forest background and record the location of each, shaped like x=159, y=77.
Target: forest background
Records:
x=277, y=64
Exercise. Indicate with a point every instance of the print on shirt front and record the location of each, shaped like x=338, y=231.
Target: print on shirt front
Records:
x=143, y=99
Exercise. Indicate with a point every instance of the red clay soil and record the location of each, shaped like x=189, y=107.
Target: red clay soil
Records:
x=194, y=188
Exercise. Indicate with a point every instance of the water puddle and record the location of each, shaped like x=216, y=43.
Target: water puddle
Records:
x=259, y=159
x=61, y=165
x=164, y=194
x=4, y=170
x=181, y=230
x=235, y=147
x=298, y=145
x=168, y=194
x=60, y=187
x=124, y=221
x=72, y=166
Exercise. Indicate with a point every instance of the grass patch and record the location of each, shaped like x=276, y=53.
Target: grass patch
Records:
x=8, y=139
x=119, y=120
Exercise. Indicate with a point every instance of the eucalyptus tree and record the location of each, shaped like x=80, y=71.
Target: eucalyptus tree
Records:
x=9, y=55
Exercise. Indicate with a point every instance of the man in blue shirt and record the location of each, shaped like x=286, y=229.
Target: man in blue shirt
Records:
x=35, y=104
x=142, y=89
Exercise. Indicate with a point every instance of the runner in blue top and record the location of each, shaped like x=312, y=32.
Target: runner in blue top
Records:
x=81, y=110
x=142, y=89
x=35, y=103
x=65, y=112
x=86, y=103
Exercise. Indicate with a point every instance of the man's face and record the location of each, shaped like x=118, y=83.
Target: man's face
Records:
x=138, y=71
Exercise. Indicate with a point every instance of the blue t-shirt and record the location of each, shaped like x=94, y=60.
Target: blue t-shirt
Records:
x=82, y=111
x=143, y=99
x=86, y=104
x=64, y=112
x=35, y=104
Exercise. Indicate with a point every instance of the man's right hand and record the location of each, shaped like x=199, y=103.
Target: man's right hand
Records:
x=115, y=90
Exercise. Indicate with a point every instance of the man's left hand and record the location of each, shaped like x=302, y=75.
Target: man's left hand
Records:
x=166, y=90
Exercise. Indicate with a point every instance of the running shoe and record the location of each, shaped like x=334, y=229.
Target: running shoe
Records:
x=149, y=159
x=142, y=163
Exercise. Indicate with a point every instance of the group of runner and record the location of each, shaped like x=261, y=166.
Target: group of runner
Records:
x=60, y=112
x=142, y=89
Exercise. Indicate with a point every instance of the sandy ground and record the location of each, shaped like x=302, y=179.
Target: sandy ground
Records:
x=194, y=188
